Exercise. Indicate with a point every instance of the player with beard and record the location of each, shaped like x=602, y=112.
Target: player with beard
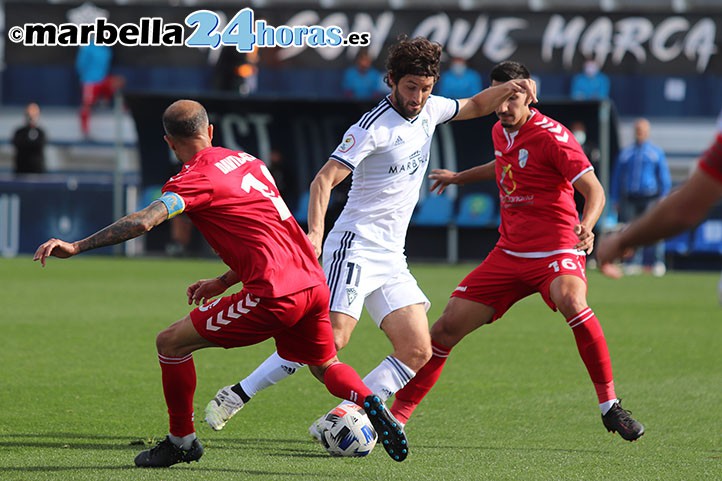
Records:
x=685, y=209
x=387, y=153
x=541, y=248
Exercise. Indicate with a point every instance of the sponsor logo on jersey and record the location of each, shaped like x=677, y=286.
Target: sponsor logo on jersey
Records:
x=398, y=141
x=518, y=199
x=415, y=161
x=523, y=156
x=348, y=142
x=508, y=185
x=507, y=182
x=461, y=288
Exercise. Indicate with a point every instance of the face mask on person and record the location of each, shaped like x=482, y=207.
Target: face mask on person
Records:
x=580, y=135
x=458, y=68
x=591, y=69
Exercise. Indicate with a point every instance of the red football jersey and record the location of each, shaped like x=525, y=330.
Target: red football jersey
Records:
x=232, y=199
x=535, y=169
x=711, y=161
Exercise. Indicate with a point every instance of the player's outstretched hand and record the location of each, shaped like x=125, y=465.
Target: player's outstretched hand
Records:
x=609, y=250
x=56, y=248
x=205, y=289
x=613, y=271
x=442, y=178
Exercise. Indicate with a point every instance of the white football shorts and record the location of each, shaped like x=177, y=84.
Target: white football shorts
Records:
x=361, y=273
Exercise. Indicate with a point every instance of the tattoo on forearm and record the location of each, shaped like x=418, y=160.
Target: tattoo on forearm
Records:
x=224, y=279
x=128, y=227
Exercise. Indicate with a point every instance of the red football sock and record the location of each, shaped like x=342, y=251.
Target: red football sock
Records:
x=85, y=119
x=411, y=395
x=179, y=386
x=593, y=350
x=343, y=381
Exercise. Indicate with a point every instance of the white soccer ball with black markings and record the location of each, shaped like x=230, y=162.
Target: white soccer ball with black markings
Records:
x=346, y=431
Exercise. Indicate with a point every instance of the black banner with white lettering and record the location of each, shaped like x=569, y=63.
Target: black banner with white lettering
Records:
x=679, y=44
x=302, y=134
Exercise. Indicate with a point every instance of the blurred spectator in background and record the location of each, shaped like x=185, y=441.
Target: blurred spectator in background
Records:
x=591, y=150
x=93, y=66
x=248, y=72
x=459, y=81
x=29, y=142
x=362, y=81
x=236, y=71
x=686, y=207
x=225, y=70
x=640, y=177
x=591, y=84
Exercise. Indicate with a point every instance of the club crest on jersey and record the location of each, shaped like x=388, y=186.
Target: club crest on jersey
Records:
x=348, y=142
x=425, y=126
x=523, y=156
x=351, y=295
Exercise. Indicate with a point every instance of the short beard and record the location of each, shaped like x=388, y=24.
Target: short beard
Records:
x=400, y=107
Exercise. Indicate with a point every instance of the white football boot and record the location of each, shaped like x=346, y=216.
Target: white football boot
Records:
x=222, y=408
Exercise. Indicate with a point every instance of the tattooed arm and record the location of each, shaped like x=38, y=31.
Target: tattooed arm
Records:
x=125, y=228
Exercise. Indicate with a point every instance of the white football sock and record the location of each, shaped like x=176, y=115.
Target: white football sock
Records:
x=388, y=377
x=183, y=442
x=607, y=405
x=271, y=371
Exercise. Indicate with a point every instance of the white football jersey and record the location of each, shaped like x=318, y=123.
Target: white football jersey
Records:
x=388, y=155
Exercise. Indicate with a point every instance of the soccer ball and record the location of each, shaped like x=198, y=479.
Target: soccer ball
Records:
x=347, y=431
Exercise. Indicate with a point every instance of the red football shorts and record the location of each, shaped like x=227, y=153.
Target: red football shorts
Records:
x=502, y=279
x=299, y=323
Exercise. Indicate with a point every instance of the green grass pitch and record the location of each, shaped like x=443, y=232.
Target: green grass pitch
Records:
x=80, y=388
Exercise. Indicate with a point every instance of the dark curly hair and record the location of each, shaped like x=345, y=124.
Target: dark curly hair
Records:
x=509, y=70
x=416, y=56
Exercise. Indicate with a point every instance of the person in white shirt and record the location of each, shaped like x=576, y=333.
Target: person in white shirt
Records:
x=387, y=153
